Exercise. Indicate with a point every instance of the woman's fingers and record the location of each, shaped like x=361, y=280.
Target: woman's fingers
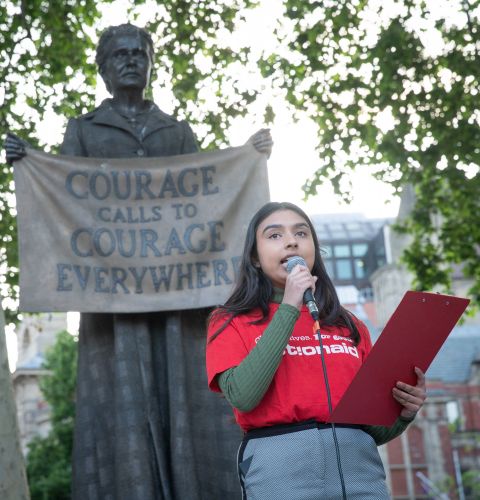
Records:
x=409, y=396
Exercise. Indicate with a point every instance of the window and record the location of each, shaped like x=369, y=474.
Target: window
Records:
x=337, y=231
x=322, y=232
x=359, y=249
x=356, y=233
x=453, y=415
x=329, y=267
x=367, y=294
x=344, y=269
x=341, y=251
x=355, y=230
x=326, y=250
x=359, y=268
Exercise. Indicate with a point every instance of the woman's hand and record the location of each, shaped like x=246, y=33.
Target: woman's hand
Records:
x=297, y=282
x=14, y=148
x=262, y=141
x=411, y=397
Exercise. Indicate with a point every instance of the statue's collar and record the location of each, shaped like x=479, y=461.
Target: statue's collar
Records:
x=105, y=114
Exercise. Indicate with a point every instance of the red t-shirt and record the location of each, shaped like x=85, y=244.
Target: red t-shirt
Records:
x=297, y=391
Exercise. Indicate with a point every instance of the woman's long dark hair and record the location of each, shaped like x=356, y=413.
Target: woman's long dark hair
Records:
x=254, y=290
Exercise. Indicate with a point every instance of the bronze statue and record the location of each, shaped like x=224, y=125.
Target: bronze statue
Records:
x=146, y=425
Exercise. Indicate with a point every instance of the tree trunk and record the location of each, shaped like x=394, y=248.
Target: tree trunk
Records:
x=13, y=479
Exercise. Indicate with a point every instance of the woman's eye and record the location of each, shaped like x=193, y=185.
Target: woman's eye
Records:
x=302, y=234
x=274, y=236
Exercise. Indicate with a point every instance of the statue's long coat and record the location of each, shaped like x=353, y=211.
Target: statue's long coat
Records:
x=146, y=425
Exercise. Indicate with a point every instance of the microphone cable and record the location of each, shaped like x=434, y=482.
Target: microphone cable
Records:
x=316, y=331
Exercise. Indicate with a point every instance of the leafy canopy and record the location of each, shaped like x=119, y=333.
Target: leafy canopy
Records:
x=48, y=64
x=394, y=90
x=43, y=48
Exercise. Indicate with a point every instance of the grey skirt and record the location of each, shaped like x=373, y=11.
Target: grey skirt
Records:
x=302, y=465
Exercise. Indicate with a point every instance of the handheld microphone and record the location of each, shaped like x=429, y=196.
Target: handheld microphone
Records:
x=308, y=298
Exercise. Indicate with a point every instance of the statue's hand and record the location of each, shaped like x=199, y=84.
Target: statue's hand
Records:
x=14, y=148
x=262, y=141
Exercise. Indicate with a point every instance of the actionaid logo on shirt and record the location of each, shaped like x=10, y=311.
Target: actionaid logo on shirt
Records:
x=301, y=337
x=310, y=350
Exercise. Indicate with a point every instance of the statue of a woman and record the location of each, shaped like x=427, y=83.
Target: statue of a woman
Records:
x=146, y=425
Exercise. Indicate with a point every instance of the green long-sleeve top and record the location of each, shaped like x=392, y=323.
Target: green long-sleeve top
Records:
x=245, y=385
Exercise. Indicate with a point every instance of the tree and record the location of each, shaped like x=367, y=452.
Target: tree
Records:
x=471, y=483
x=391, y=85
x=394, y=89
x=49, y=458
x=44, y=47
x=13, y=481
x=47, y=53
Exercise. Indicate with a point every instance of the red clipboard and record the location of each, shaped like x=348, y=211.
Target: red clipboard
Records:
x=412, y=337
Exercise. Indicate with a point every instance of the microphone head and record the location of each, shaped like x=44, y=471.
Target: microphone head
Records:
x=295, y=261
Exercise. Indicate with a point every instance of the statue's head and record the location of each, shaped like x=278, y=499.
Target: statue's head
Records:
x=124, y=57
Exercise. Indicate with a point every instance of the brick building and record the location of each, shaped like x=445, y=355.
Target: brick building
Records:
x=34, y=336
x=428, y=461
x=443, y=443
x=439, y=455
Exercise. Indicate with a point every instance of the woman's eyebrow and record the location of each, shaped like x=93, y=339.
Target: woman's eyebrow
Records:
x=272, y=226
x=281, y=226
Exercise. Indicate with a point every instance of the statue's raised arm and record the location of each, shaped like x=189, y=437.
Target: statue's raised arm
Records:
x=262, y=141
x=14, y=148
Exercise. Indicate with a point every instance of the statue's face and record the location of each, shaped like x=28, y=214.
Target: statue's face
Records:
x=128, y=65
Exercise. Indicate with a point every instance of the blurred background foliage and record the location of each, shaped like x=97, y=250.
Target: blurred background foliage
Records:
x=49, y=459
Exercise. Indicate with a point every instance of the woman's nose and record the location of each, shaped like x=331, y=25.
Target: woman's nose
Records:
x=291, y=242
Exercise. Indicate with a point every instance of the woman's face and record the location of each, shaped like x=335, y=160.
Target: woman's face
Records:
x=279, y=236
x=128, y=65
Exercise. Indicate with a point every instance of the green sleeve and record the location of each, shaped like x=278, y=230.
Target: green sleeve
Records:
x=245, y=385
x=382, y=434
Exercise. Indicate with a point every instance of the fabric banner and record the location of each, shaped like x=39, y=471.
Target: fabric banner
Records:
x=134, y=235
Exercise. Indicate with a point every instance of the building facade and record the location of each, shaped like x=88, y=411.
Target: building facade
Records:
x=35, y=335
x=350, y=243
x=439, y=454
